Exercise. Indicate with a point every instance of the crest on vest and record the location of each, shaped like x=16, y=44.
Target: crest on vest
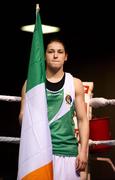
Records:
x=68, y=99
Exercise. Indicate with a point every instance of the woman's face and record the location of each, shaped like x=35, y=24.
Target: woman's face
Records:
x=55, y=55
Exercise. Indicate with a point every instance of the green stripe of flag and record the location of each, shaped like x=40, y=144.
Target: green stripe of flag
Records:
x=36, y=70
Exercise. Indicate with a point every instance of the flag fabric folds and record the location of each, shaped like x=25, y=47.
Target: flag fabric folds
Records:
x=35, y=150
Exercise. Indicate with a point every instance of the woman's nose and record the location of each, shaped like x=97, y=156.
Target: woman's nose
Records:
x=55, y=54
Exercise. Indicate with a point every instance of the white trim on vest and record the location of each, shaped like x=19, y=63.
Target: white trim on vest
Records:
x=68, y=90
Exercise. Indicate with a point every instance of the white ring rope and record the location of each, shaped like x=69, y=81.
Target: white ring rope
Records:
x=10, y=98
x=105, y=142
x=16, y=140
x=93, y=102
x=10, y=139
x=101, y=102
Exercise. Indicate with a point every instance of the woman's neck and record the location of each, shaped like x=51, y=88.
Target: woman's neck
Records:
x=54, y=76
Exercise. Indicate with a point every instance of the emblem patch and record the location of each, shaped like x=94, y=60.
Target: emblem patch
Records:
x=68, y=99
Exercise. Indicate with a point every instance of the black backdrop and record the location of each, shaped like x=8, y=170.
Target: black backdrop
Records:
x=89, y=31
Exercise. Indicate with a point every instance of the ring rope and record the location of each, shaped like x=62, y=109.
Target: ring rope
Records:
x=102, y=142
x=93, y=102
x=16, y=140
x=10, y=98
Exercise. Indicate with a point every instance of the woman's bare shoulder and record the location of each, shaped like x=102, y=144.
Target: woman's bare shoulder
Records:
x=78, y=85
x=78, y=81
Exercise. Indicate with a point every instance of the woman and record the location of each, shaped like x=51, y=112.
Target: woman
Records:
x=65, y=94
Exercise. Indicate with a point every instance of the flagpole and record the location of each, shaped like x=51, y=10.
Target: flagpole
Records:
x=37, y=8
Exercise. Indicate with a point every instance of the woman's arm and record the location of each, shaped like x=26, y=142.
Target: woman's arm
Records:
x=23, y=91
x=83, y=124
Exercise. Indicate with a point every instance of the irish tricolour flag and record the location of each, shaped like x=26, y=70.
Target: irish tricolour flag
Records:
x=35, y=151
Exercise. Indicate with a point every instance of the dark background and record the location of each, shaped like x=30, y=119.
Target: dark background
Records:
x=90, y=33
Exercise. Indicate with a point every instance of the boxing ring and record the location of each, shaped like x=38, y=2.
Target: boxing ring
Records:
x=93, y=102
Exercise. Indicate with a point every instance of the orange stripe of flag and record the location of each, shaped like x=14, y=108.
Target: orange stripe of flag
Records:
x=39, y=173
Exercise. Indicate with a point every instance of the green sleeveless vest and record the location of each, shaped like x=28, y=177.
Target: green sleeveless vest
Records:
x=60, y=116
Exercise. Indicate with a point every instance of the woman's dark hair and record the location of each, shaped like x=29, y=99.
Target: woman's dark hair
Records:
x=57, y=38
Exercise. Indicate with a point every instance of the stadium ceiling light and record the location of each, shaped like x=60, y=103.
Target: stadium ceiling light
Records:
x=45, y=28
